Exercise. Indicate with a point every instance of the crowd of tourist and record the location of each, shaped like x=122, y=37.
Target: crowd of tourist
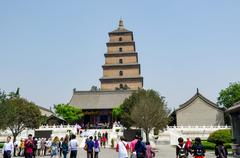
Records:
x=62, y=147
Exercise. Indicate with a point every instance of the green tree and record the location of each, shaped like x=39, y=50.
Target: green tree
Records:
x=230, y=95
x=18, y=114
x=3, y=96
x=70, y=113
x=116, y=113
x=145, y=109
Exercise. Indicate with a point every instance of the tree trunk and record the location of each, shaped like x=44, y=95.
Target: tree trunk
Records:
x=147, y=136
x=14, y=140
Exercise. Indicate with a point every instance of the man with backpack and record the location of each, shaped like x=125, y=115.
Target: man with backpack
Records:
x=198, y=150
x=140, y=148
x=181, y=149
x=220, y=150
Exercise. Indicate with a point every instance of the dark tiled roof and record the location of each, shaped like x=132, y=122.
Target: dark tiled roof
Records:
x=121, y=77
x=120, y=30
x=234, y=108
x=121, y=65
x=99, y=99
x=199, y=95
x=120, y=54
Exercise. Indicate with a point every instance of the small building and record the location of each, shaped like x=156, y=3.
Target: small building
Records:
x=234, y=112
x=97, y=106
x=199, y=111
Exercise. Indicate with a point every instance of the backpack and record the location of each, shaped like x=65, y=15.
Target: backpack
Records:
x=220, y=151
x=182, y=151
x=199, y=150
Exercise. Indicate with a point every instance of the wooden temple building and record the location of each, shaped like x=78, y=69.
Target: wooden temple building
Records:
x=121, y=77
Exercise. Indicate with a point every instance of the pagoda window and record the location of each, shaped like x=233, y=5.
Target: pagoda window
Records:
x=120, y=39
x=120, y=73
x=120, y=49
x=120, y=61
x=121, y=86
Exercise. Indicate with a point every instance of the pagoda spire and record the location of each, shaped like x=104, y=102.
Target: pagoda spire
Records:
x=120, y=25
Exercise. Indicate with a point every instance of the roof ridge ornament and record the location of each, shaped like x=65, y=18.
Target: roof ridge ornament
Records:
x=197, y=91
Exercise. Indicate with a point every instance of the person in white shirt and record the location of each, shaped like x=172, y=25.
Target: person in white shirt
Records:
x=73, y=145
x=8, y=148
x=122, y=148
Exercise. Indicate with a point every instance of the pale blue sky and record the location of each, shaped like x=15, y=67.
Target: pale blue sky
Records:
x=47, y=48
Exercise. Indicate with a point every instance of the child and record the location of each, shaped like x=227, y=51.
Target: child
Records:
x=181, y=150
x=198, y=149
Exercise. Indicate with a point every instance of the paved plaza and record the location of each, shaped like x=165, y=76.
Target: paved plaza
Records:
x=164, y=151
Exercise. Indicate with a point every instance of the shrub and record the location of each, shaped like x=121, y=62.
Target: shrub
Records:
x=211, y=146
x=1, y=145
x=220, y=135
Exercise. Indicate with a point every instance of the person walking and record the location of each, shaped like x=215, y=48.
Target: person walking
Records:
x=73, y=145
x=149, y=152
x=198, y=149
x=60, y=146
x=220, y=150
x=181, y=149
x=90, y=145
x=140, y=148
x=55, y=147
x=122, y=148
x=29, y=145
x=8, y=148
x=96, y=147
x=132, y=146
x=43, y=146
x=21, y=148
x=34, y=147
x=65, y=147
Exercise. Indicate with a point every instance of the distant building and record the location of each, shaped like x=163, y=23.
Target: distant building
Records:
x=199, y=111
x=235, y=119
x=45, y=111
x=97, y=105
x=121, y=77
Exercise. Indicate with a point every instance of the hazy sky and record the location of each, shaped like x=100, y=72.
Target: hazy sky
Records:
x=49, y=47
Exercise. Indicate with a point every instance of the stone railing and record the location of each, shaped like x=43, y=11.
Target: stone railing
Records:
x=57, y=126
x=191, y=132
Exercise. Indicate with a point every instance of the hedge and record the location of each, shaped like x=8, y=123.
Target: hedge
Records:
x=1, y=145
x=211, y=146
x=220, y=135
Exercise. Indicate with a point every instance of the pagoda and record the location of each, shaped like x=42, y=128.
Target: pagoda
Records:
x=121, y=70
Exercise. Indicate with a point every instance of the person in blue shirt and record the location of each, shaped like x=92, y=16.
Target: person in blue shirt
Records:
x=140, y=148
x=90, y=145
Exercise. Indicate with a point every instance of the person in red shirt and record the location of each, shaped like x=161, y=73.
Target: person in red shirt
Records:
x=29, y=144
x=188, y=144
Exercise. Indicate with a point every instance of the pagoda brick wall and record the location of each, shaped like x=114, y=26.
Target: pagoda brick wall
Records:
x=126, y=60
x=115, y=72
x=124, y=38
x=114, y=49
